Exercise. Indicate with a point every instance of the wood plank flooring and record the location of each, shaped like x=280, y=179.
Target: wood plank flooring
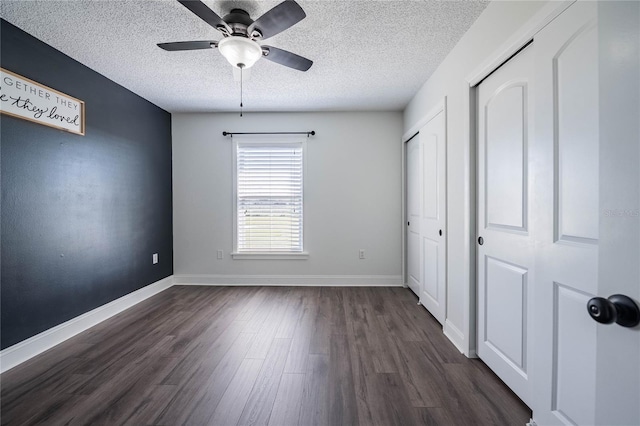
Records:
x=261, y=356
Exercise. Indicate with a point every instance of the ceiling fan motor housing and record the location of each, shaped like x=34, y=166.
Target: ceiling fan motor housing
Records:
x=238, y=20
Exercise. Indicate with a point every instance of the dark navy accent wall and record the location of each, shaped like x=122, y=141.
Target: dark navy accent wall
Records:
x=81, y=216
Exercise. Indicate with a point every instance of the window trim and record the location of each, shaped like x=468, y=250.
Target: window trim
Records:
x=266, y=140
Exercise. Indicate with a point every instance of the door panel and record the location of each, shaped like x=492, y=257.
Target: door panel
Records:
x=431, y=269
x=575, y=356
x=413, y=260
x=577, y=140
x=430, y=163
x=505, y=139
x=505, y=324
x=505, y=259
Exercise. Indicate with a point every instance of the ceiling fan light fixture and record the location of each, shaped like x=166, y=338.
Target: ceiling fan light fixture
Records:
x=241, y=52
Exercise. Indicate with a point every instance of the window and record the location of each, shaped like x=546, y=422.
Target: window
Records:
x=269, y=177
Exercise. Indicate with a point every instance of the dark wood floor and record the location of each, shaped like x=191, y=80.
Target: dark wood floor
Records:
x=261, y=355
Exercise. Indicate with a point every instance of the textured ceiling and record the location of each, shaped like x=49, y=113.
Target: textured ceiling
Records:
x=368, y=55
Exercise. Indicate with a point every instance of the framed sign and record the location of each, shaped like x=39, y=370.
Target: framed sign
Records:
x=27, y=99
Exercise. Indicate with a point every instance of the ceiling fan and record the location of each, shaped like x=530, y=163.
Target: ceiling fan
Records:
x=241, y=35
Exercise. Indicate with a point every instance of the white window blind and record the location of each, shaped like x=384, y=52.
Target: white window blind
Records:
x=269, y=197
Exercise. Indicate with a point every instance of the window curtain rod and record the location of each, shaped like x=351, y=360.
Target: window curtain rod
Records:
x=311, y=133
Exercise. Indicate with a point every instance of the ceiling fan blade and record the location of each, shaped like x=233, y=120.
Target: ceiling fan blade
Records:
x=287, y=59
x=204, y=13
x=283, y=16
x=188, y=45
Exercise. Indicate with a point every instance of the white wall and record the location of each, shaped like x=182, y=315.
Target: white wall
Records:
x=496, y=24
x=352, y=198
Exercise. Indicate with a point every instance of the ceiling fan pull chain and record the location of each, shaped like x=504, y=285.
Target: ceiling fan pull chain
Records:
x=241, y=67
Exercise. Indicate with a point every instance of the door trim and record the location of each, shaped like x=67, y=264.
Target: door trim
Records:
x=517, y=41
x=437, y=109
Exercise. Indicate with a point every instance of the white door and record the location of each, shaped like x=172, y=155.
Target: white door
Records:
x=618, y=356
x=433, y=227
x=505, y=244
x=586, y=220
x=414, y=204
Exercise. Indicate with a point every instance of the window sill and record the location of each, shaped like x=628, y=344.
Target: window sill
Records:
x=270, y=256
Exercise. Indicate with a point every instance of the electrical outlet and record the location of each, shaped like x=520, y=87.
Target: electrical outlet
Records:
x=155, y=258
x=361, y=254
x=220, y=254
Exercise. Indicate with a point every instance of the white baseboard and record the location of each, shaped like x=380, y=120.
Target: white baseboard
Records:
x=455, y=335
x=291, y=280
x=27, y=349
x=21, y=352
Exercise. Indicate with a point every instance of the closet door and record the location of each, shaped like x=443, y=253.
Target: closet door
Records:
x=414, y=213
x=586, y=157
x=433, y=227
x=505, y=244
x=566, y=165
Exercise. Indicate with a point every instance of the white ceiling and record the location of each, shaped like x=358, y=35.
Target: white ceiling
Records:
x=368, y=55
